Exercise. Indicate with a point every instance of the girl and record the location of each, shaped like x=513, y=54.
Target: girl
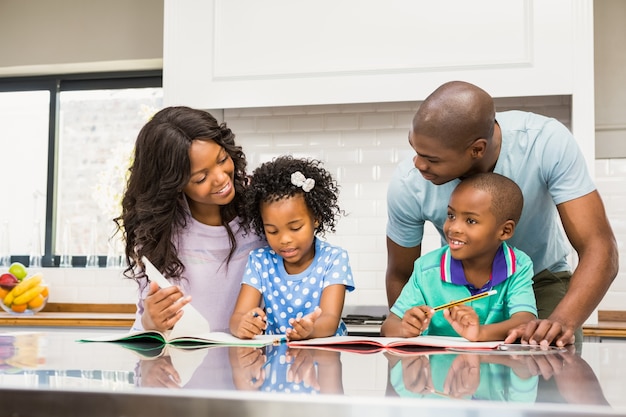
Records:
x=180, y=210
x=300, y=279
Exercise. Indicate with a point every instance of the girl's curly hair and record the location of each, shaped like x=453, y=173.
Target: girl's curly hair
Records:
x=153, y=204
x=271, y=181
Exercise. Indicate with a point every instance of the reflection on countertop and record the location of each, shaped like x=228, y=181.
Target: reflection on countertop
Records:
x=36, y=363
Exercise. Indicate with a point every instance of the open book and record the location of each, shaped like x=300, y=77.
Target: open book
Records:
x=184, y=361
x=149, y=341
x=191, y=331
x=369, y=344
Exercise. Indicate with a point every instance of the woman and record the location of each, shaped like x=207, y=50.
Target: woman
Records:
x=180, y=210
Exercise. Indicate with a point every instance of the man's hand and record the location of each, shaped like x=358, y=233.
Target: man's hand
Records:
x=542, y=332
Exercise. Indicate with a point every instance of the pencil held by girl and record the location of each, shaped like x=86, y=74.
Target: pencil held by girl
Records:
x=296, y=285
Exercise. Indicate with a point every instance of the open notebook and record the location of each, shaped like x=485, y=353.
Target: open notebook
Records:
x=399, y=344
x=191, y=331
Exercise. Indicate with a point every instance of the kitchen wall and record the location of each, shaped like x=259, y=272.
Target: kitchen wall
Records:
x=361, y=145
x=65, y=36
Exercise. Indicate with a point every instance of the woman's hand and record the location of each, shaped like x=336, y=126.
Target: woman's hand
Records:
x=159, y=372
x=163, y=307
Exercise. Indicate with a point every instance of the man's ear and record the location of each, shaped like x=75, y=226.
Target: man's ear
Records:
x=507, y=230
x=478, y=148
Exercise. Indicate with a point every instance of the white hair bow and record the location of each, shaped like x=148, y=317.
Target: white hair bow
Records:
x=299, y=180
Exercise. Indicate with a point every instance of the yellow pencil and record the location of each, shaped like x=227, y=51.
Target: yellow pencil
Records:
x=465, y=300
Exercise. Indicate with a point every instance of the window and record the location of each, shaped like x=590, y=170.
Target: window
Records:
x=67, y=143
x=24, y=117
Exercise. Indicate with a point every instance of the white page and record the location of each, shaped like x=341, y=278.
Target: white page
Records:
x=192, y=322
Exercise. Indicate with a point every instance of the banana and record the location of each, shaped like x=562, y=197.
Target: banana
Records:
x=27, y=284
x=28, y=295
x=8, y=299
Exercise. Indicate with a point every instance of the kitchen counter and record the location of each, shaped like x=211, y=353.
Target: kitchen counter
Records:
x=611, y=324
x=74, y=315
x=50, y=373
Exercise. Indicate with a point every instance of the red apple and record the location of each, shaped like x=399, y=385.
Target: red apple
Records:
x=8, y=281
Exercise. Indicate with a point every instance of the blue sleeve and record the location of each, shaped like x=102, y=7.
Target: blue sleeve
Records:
x=563, y=165
x=405, y=223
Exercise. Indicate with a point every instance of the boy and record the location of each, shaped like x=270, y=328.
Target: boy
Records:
x=455, y=133
x=482, y=214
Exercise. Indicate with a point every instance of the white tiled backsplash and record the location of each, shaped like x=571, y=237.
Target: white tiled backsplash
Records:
x=360, y=144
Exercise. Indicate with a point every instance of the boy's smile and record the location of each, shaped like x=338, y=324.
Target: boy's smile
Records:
x=471, y=228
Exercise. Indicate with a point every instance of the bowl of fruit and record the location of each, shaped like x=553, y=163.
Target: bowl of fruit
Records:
x=22, y=293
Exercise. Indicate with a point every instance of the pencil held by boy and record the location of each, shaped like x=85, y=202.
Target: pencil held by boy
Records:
x=296, y=285
x=482, y=214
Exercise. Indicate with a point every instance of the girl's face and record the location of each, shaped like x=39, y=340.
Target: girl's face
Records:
x=212, y=177
x=471, y=228
x=290, y=231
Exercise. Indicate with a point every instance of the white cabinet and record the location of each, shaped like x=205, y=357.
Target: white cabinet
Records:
x=249, y=53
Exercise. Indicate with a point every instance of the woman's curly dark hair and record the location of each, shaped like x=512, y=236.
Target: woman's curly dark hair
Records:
x=271, y=181
x=153, y=205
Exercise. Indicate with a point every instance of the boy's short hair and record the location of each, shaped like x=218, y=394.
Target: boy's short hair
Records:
x=507, y=200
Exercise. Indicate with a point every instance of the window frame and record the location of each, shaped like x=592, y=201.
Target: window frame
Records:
x=55, y=84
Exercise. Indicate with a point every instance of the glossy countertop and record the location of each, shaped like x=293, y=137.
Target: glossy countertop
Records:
x=48, y=372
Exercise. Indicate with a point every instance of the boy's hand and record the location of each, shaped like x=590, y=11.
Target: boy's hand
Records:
x=416, y=320
x=252, y=323
x=463, y=377
x=416, y=374
x=464, y=321
x=302, y=327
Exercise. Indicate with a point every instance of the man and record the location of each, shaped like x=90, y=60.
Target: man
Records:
x=455, y=133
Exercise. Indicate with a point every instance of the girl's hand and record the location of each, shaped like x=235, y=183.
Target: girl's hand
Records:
x=252, y=323
x=247, y=365
x=302, y=327
x=303, y=368
x=163, y=307
x=464, y=321
x=416, y=320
